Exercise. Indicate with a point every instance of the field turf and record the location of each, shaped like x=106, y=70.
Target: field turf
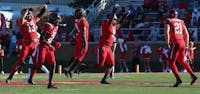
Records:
x=88, y=83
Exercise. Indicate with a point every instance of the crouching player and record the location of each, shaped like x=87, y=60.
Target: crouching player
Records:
x=46, y=48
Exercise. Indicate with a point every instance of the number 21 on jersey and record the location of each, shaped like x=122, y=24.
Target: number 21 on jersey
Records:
x=177, y=28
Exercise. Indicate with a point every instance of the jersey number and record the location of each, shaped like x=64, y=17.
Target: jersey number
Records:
x=177, y=28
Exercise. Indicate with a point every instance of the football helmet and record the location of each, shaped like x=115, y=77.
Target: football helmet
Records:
x=173, y=13
x=79, y=13
x=54, y=18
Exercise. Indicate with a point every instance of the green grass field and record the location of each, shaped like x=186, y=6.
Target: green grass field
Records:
x=88, y=83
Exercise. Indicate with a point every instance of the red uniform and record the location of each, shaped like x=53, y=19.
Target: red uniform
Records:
x=1, y=53
x=164, y=53
x=123, y=48
x=104, y=28
x=45, y=52
x=145, y=51
x=29, y=32
x=191, y=53
x=80, y=52
x=104, y=51
x=177, y=43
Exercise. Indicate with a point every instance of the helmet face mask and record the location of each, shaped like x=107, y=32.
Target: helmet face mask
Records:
x=54, y=18
x=29, y=15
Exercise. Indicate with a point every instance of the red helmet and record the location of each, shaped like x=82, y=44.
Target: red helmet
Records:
x=173, y=13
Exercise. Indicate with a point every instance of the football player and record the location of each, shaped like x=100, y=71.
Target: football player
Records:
x=177, y=40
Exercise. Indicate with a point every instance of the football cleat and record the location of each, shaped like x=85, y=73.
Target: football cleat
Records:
x=50, y=86
x=105, y=82
x=30, y=82
x=178, y=82
x=8, y=81
x=194, y=78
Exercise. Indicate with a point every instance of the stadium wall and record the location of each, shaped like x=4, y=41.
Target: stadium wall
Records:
x=66, y=52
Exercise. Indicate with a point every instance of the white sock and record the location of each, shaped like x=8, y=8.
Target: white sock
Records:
x=29, y=70
x=113, y=70
x=43, y=68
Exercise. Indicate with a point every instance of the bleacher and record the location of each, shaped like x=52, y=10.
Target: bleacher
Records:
x=95, y=27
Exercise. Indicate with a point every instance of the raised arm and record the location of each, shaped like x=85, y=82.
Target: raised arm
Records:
x=42, y=11
x=21, y=19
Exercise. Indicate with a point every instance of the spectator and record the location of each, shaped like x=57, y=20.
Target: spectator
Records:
x=123, y=52
x=160, y=13
x=146, y=5
x=67, y=37
x=195, y=16
x=193, y=34
x=1, y=38
x=1, y=58
x=188, y=18
x=122, y=15
x=138, y=18
x=145, y=52
x=164, y=57
x=2, y=23
x=135, y=50
x=12, y=46
x=182, y=8
x=163, y=20
x=19, y=35
x=154, y=33
x=6, y=41
x=191, y=55
x=154, y=5
x=91, y=36
x=130, y=35
x=147, y=20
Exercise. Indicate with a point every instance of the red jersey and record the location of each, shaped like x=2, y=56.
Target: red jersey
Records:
x=119, y=33
x=28, y=28
x=177, y=29
x=145, y=51
x=108, y=38
x=164, y=53
x=104, y=26
x=51, y=30
x=79, y=24
x=1, y=53
x=191, y=53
